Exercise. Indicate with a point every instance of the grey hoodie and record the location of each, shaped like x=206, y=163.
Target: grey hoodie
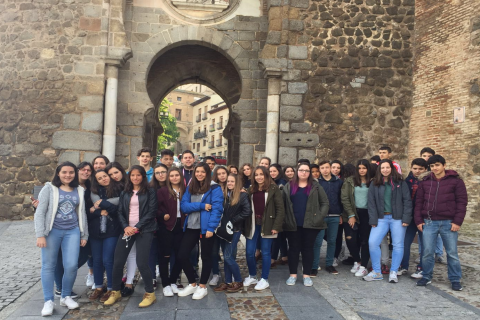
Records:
x=48, y=206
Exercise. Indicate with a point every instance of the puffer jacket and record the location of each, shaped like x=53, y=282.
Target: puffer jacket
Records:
x=238, y=212
x=317, y=209
x=444, y=199
x=147, y=206
x=401, y=202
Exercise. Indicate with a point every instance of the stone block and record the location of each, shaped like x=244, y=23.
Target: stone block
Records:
x=85, y=68
x=89, y=156
x=291, y=113
x=297, y=87
x=251, y=136
x=244, y=104
x=300, y=3
x=145, y=17
x=26, y=149
x=90, y=103
x=246, y=35
x=291, y=99
x=77, y=140
x=298, y=140
x=287, y=156
x=5, y=149
x=274, y=37
x=284, y=126
x=92, y=121
x=35, y=160
x=131, y=131
x=247, y=26
x=13, y=162
x=246, y=153
x=298, y=52
x=307, y=154
x=5, y=176
x=92, y=11
x=300, y=127
x=71, y=121
x=24, y=175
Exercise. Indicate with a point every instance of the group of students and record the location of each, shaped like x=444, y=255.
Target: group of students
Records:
x=160, y=216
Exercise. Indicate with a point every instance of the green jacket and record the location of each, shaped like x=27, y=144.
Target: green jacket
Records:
x=348, y=200
x=272, y=216
x=317, y=209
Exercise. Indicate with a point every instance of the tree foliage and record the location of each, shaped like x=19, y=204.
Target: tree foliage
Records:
x=170, y=133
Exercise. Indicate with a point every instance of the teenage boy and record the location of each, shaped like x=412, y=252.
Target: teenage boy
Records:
x=440, y=209
x=375, y=159
x=188, y=159
x=265, y=162
x=211, y=162
x=302, y=161
x=333, y=187
x=426, y=153
x=166, y=157
x=144, y=157
x=385, y=152
x=418, y=167
x=315, y=171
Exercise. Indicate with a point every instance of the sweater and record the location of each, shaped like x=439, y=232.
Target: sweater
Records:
x=401, y=202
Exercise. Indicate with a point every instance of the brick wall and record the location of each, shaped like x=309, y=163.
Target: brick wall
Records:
x=446, y=72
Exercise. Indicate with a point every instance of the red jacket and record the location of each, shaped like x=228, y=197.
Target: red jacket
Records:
x=444, y=199
x=167, y=205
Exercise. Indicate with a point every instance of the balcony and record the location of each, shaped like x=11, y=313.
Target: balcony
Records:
x=199, y=134
x=211, y=145
x=212, y=128
x=204, y=116
x=198, y=118
x=219, y=143
x=219, y=126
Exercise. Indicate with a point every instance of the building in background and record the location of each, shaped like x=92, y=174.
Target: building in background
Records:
x=210, y=119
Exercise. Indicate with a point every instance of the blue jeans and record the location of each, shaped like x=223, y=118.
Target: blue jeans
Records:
x=216, y=255
x=266, y=247
x=103, y=251
x=438, y=247
x=69, y=242
x=377, y=234
x=84, y=255
x=409, y=236
x=430, y=234
x=332, y=229
x=229, y=254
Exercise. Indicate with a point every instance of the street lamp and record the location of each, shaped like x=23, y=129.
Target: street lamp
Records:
x=163, y=114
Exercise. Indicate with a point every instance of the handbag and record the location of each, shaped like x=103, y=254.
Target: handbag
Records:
x=225, y=229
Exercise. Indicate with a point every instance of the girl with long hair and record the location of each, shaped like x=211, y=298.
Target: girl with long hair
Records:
x=355, y=216
x=136, y=211
x=170, y=219
x=104, y=229
x=266, y=222
x=389, y=209
x=288, y=172
x=116, y=171
x=60, y=222
x=245, y=173
x=280, y=243
x=203, y=205
x=233, y=169
x=100, y=162
x=306, y=206
x=236, y=208
x=159, y=176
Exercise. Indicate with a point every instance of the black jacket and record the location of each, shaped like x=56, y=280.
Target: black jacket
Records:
x=113, y=224
x=333, y=189
x=238, y=212
x=148, y=210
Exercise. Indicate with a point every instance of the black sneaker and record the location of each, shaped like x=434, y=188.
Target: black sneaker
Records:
x=348, y=262
x=314, y=273
x=331, y=269
x=423, y=282
x=58, y=294
x=126, y=292
x=457, y=286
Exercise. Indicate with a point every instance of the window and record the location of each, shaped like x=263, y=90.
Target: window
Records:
x=178, y=114
x=179, y=98
x=198, y=146
x=206, y=109
x=214, y=154
x=204, y=142
x=219, y=153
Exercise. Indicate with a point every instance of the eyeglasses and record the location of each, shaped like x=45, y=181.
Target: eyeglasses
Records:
x=85, y=170
x=304, y=170
x=161, y=173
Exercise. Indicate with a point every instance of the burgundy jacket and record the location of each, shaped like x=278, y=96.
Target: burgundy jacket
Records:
x=444, y=199
x=167, y=205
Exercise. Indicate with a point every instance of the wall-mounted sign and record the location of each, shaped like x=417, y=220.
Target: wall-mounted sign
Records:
x=459, y=115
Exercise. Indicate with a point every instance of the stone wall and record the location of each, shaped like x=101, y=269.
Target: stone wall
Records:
x=353, y=61
x=447, y=69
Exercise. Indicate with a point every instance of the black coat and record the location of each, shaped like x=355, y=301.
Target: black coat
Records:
x=113, y=224
x=238, y=212
x=148, y=209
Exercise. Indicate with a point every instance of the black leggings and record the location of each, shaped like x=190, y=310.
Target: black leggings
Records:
x=339, y=242
x=143, y=242
x=357, y=240
x=169, y=241
x=301, y=241
x=189, y=240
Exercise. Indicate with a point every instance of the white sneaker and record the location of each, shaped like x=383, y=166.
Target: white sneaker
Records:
x=262, y=285
x=417, y=261
x=94, y=287
x=157, y=272
x=335, y=262
x=200, y=293
x=355, y=267
x=418, y=274
x=393, y=277
x=48, y=308
x=249, y=281
x=90, y=280
x=341, y=255
x=401, y=271
x=174, y=288
x=214, y=281
x=319, y=268
x=362, y=272
x=187, y=291
x=69, y=303
x=167, y=291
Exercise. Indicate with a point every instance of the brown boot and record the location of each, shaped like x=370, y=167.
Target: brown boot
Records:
x=97, y=293
x=221, y=288
x=235, y=287
x=106, y=296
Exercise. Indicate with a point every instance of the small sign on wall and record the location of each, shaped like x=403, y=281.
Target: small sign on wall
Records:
x=459, y=115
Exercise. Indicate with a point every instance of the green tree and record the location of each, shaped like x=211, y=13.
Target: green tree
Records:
x=170, y=133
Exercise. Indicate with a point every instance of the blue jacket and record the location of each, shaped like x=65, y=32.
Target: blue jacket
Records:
x=333, y=189
x=209, y=220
